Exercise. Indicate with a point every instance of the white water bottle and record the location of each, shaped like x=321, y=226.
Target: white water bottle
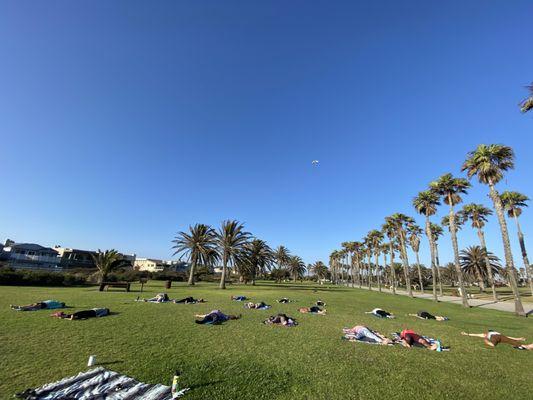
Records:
x=92, y=361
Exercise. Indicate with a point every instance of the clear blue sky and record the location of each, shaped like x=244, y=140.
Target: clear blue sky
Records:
x=123, y=122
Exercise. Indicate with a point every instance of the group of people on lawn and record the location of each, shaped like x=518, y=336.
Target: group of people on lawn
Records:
x=363, y=333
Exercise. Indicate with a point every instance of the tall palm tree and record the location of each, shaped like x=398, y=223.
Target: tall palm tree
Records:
x=513, y=202
x=437, y=232
x=231, y=238
x=527, y=104
x=400, y=222
x=107, y=261
x=320, y=270
x=451, y=189
x=357, y=255
x=473, y=262
x=255, y=257
x=478, y=215
x=376, y=237
x=368, y=252
x=488, y=163
x=281, y=256
x=389, y=229
x=415, y=232
x=426, y=203
x=296, y=267
x=333, y=261
x=198, y=246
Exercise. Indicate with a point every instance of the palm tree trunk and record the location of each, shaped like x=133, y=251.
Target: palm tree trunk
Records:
x=385, y=268
x=359, y=274
x=369, y=272
x=376, y=258
x=524, y=253
x=353, y=270
x=453, y=234
x=405, y=261
x=393, y=273
x=419, y=272
x=509, y=264
x=437, y=266
x=429, y=235
x=191, y=271
x=224, y=269
x=481, y=237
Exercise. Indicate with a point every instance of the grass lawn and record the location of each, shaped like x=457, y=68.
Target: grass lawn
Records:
x=248, y=360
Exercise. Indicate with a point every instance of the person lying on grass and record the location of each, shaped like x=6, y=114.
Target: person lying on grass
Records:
x=284, y=300
x=320, y=303
x=493, y=338
x=159, y=298
x=214, y=317
x=239, y=298
x=188, y=300
x=365, y=334
x=257, y=306
x=280, y=319
x=409, y=338
x=312, y=310
x=40, y=305
x=85, y=314
x=426, y=315
x=378, y=312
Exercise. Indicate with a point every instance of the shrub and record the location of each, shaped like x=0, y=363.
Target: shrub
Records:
x=10, y=276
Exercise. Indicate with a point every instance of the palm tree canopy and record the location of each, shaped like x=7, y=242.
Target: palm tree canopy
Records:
x=472, y=261
x=527, y=104
x=514, y=202
x=414, y=232
x=426, y=203
x=436, y=231
x=489, y=162
x=375, y=238
x=459, y=221
x=107, y=261
x=197, y=245
x=320, y=269
x=231, y=238
x=450, y=188
x=255, y=256
x=281, y=255
x=477, y=213
x=296, y=266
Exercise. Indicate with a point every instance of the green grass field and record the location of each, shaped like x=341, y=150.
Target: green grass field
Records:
x=246, y=359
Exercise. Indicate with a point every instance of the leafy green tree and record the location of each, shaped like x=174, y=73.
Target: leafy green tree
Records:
x=426, y=203
x=513, y=202
x=451, y=189
x=231, y=238
x=108, y=261
x=478, y=214
x=488, y=163
x=198, y=246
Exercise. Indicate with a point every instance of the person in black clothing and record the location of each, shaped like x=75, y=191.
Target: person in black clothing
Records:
x=189, y=300
x=426, y=315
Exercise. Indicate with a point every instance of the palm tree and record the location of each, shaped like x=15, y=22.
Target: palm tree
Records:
x=488, y=163
x=384, y=249
x=357, y=248
x=478, y=213
x=389, y=229
x=436, y=232
x=281, y=256
x=451, y=188
x=296, y=267
x=473, y=262
x=527, y=104
x=320, y=270
x=231, y=239
x=368, y=252
x=513, y=202
x=376, y=237
x=255, y=257
x=400, y=223
x=197, y=245
x=415, y=232
x=426, y=203
x=107, y=261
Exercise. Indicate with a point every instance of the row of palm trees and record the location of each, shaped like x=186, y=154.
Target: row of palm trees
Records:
x=487, y=163
x=237, y=249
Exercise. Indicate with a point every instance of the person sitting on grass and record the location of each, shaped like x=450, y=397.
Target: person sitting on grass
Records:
x=365, y=334
x=312, y=310
x=214, y=317
x=85, y=314
x=284, y=300
x=239, y=298
x=378, y=312
x=257, y=306
x=189, y=300
x=493, y=338
x=409, y=338
x=426, y=315
x=280, y=319
x=40, y=305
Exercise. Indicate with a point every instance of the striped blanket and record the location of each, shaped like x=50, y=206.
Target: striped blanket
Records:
x=98, y=384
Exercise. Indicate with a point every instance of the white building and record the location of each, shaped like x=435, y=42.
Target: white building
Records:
x=148, y=264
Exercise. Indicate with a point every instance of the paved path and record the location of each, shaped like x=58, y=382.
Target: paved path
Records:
x=502, y=305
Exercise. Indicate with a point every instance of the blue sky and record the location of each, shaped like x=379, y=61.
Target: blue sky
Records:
x=122, y=123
